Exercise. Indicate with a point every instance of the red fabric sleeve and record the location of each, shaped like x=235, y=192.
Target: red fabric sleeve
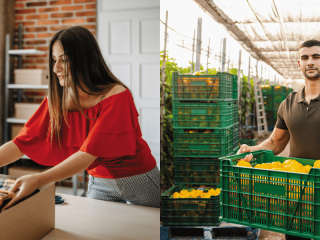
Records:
x=116, y=130
x=34, y=142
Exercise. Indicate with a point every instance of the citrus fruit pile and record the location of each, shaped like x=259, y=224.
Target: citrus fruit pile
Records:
x=196, y=193
x=288, y=165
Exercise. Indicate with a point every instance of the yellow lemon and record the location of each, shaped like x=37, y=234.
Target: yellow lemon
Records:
x=243, y=163
x=295, y=168
x=296, y=164
x=183, y=191
x=288, y=162
x=218, y=191
x=265, y=166
x=287, y=168
x=317, y=164
x=307, y=168
x=258, y=166
x=276, y=165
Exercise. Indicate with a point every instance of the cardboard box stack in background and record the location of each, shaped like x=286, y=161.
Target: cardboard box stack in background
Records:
x=31, y=76
x=25, y=110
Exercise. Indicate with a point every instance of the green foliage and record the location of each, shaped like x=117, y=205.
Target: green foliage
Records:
x=247, y=103
x=234, y=71
x=167, y=173
x=166, y=167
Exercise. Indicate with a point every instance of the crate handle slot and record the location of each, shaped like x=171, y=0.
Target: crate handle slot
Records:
x=299, y=201
x=242, y=199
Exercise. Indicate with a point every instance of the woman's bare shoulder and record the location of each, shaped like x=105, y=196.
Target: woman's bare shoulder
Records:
x=115, y=90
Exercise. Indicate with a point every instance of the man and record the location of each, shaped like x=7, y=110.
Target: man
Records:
x=299, y=114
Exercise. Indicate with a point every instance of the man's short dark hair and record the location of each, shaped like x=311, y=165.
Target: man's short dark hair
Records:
x=310, y=43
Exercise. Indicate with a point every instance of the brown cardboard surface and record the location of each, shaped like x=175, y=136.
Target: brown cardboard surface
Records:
x=25, y=110
x=15, y=129
x=91, y=219
x=32, y=218
x=31, y=76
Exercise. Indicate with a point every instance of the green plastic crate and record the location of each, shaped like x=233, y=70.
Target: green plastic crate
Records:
x=197, y=172
x=276, y=106
x=235, y=112
x=279, y=89
x=279, y=201
x=235, y=135
x=235, y=150
x=266, y=89
x=249, y=142
x=279, y=97
x=202, y=115
x=189, y=211
x=212, y=143
x=234, y=87
x=289, y=90
x=271, y=122
x=267, y=98
x=272, y=114
x=201, y=87
x=268, y=106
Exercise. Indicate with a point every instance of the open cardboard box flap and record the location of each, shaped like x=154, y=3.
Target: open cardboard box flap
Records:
x=30, y=219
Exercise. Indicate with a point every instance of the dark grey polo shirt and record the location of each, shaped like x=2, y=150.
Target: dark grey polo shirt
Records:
x=303, y=123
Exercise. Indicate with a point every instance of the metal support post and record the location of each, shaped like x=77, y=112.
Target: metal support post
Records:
x=198, y=49
x=208, y=56
x=223, y=54
x=239, y=76
x=194, y=37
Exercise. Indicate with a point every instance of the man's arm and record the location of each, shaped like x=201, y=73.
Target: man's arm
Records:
x=276, y=142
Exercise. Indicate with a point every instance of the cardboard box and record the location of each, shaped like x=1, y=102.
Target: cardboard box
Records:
x=30, y=219
x=31, y=76
x=18, y=171
x=25, y=110
x=15, y=129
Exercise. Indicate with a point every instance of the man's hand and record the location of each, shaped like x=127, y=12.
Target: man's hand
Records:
x=244, y=148
x=27, y=184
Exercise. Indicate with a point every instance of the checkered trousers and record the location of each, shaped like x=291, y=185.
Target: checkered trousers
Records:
x=143, y=189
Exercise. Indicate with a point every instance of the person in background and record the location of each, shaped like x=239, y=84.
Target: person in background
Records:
x=299, y=114
x=88, y=121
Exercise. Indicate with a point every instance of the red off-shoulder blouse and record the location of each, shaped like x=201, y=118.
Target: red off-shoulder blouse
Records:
x=114, y=136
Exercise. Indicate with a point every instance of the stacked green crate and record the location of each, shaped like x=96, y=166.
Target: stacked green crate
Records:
x=272, y=97
x=203, y=115
x=235, y=114
x=203, y=125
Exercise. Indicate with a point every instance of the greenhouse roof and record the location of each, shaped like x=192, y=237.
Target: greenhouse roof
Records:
x=270, y=30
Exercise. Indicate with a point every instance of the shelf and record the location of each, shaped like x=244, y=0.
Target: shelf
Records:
x=26, y=52
x=25, y=86
x=16, y=120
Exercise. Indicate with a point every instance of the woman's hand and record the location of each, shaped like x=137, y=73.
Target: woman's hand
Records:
x=27, y=184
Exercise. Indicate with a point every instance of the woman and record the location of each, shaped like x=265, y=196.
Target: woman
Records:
x=88, y=121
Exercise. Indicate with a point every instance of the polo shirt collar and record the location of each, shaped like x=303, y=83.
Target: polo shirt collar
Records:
x=300, y=96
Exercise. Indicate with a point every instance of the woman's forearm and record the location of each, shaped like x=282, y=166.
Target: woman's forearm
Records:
x=9, y=152
x=69, y=167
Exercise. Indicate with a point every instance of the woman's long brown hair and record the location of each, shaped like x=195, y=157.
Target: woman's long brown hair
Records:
x=89, y=72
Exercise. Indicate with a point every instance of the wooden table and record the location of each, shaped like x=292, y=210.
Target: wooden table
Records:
x=91, y=219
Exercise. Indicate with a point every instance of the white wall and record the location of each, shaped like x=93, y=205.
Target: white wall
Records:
x=128, y=33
